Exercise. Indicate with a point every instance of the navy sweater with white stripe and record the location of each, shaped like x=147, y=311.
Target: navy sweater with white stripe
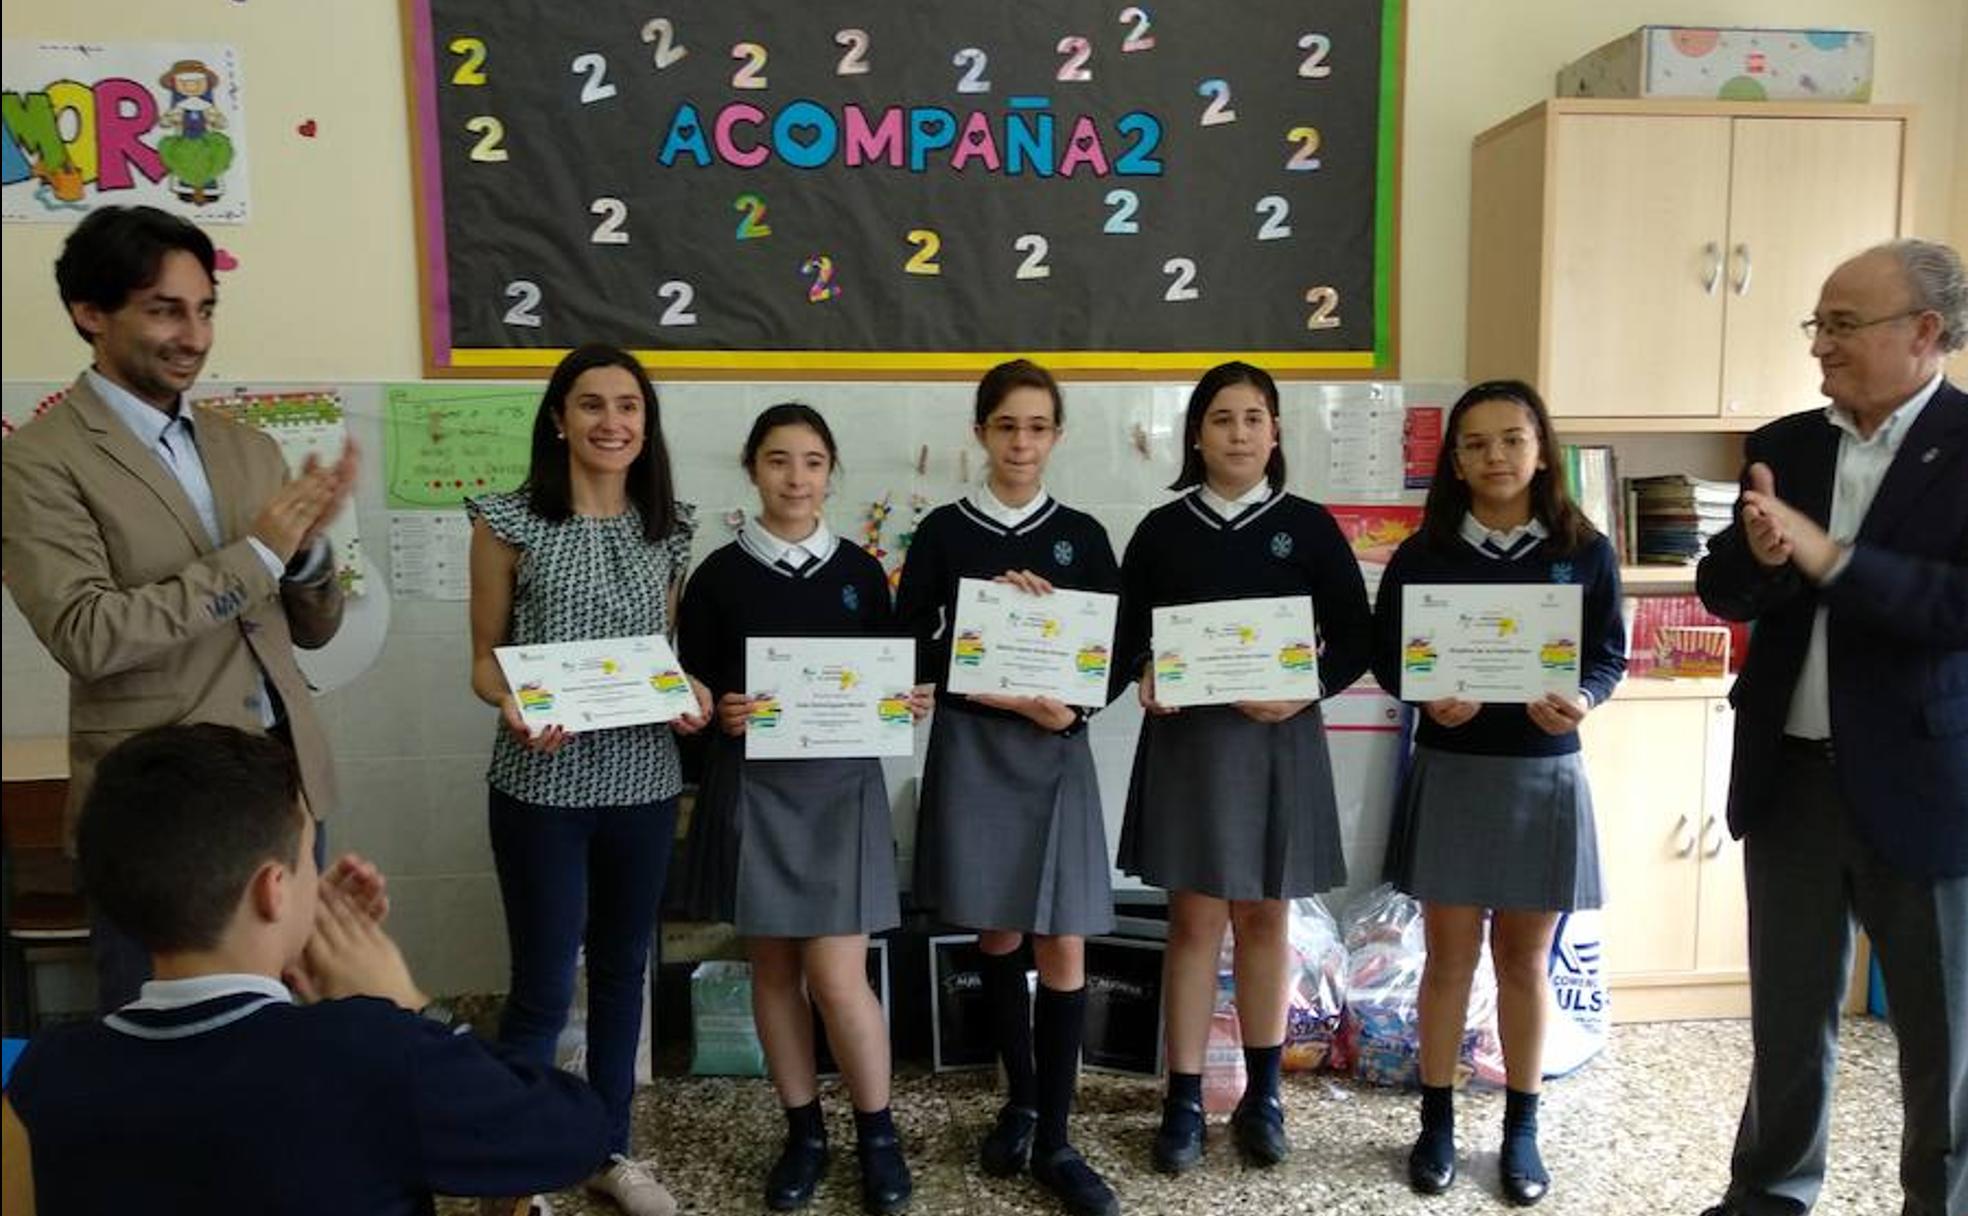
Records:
x=956, y=541
x=1184, y=553
x=1506, y=730
x=240, y=1104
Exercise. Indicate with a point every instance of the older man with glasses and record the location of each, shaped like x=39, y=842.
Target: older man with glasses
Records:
x=1850, y=785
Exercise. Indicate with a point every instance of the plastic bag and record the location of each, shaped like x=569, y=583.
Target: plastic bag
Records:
x=724, y=1039
x=1224, y=1074
x=1318, y=989
x=1380, y=1034
x=1576, y=1029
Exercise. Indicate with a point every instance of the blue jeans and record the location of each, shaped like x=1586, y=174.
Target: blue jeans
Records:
x=574, y=874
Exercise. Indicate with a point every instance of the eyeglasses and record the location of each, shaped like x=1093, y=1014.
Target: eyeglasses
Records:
x=1005, y=428
x=1840, y=328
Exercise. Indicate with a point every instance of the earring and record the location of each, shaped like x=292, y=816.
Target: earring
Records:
x=561, y=435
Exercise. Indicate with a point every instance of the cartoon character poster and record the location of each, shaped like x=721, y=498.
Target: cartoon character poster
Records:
x=162, y=124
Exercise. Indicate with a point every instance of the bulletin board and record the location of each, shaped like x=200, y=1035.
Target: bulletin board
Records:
x=908, y=188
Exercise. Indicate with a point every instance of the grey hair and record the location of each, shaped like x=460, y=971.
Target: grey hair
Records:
x=1939, y=283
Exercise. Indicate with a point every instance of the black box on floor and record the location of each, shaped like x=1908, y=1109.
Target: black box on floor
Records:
x=960, y=1024
x=1124, y=1006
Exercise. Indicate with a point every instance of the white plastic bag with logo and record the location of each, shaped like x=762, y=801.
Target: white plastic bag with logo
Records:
x=1576, y=1031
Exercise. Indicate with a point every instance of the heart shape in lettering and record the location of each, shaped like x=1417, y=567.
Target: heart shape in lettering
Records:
x=806, y=134
x=306, y=129
x=976, y=137
x=1084, y=143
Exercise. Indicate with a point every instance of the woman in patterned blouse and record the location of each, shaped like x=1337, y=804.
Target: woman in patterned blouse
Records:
x=593, y=545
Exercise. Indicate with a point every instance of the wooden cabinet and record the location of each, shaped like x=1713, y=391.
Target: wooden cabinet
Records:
x=1676, y=929
x=1646, y=263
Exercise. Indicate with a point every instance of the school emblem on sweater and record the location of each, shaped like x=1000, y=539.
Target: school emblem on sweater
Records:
x=1062, y=552
x=1281, y=545
x=1561, y=572
x=851, y=598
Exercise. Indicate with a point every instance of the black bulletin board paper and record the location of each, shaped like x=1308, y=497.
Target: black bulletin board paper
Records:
x=907, y=188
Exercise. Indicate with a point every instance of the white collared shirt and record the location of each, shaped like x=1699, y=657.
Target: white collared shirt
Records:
x=987, y=504
x=196, y=989
x=1501, y=545
x=794, y=553
x=1230, y=508
x=1862, y=465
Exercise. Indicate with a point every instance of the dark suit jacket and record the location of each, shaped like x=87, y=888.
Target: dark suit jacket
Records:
x=155, y=624
x=1896, y=639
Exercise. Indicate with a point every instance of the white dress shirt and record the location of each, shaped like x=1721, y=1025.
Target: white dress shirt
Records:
x=988, y=505
x=1230, y=508
x=793, y=554
x=1502, y=545
x=1862, y=465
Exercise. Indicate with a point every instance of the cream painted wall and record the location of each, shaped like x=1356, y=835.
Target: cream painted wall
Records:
x=327, y=289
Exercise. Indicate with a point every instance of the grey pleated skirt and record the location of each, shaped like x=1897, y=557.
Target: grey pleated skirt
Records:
x=1010, y=833
x=1511, y=832
x=1224, y=806
x=791, y=848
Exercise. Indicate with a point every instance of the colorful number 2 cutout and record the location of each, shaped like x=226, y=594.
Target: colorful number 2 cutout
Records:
x=1035, y=248
x=1307, y=139
x=855, y=61
x=525, y=295
x=1138, y=39
x=751, y=220
x=613, y=212
x=1315, y=66
x=1077, y=51
x=1275, y=211
x=973, y=61
x=660, y=31
x=596, y=87
x=490, y=132
x=1218, y=111
x=820, y=268
x=1182, y=272
x=923, y=260
x=1325, y=308
x=1122, y=222
x=472, y=70
x=681, y=296
x=751, y=74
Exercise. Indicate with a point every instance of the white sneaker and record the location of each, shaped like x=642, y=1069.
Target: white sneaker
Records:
x=632, y=1188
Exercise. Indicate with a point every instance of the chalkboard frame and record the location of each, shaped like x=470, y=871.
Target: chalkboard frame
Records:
x=443, y=360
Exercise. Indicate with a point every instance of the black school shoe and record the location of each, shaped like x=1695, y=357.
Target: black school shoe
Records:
x=885, y=1183
x=1259, y=1126
x=1008, y=1145
x=1431, y=1170
x=790, y=1182
x=1074, y=1183
x=1179, y=1140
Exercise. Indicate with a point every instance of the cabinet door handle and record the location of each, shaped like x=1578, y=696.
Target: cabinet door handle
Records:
x=1684, y=837
x=1714, y=825
x=1713, y=275
x=1748, y=269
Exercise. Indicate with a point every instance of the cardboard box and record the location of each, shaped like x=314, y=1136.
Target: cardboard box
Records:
x=1726, y=65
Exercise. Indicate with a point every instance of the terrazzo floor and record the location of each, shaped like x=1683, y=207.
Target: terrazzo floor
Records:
x=1645, y=1129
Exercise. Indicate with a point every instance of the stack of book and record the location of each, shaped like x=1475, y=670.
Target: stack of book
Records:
x=1674, y=517
x=1592, y=475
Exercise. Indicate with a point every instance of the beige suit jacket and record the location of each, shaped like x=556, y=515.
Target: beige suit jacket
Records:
x=108, y=560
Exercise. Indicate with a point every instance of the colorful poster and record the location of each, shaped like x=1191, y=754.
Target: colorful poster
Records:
x=304, y=424
x=1375, y=531
x=1421, y=444
x=157, y=123
x=444, y=443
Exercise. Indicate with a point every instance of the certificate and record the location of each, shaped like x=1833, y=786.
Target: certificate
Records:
x=1006, y=641
x=829, y=697
x=1236, y=650
x=597, y=685
x=1501, y=642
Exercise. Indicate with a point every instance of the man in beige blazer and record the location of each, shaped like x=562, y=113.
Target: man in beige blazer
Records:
x=162, y=554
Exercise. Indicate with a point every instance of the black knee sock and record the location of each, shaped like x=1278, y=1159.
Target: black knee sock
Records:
x=1520, y=1136
x=873, y=1124
x=1436, y=1145
x=1059, y=1028
x=1010, y=1005
x=1261, y=1068
x=805, y=1122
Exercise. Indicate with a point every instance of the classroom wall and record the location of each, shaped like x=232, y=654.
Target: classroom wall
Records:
x=326, y=295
